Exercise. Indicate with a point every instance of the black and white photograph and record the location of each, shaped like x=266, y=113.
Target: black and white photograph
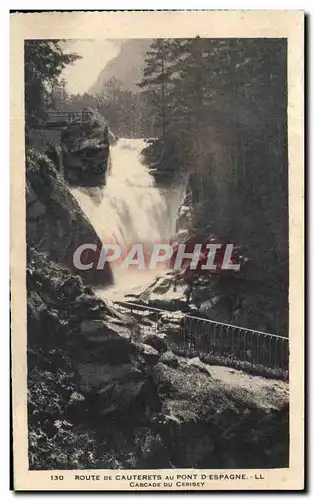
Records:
x=157, y=258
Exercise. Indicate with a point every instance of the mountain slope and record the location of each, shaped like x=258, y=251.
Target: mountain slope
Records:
x=127, y=66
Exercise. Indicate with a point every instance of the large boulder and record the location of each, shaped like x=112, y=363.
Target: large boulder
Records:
x=155, y=341
x=170, y=359
x=56, y=299
x=150, y=354
x=114, y=387
x=84, y=155
x=218, y=308
x=99, y=342
x=55, y=223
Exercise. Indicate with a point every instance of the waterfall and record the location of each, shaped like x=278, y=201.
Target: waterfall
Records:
x=130, y=208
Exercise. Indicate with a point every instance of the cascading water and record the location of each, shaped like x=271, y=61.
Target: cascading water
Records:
x=131, y=209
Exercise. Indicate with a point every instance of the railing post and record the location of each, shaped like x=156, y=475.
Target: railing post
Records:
x=213, y=344
x=233, y=342
x=277, y=361
x=282, y=354
x=220, y=339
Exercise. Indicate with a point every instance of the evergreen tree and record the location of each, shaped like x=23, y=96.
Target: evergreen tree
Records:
x=44, y=62
x=156, y=81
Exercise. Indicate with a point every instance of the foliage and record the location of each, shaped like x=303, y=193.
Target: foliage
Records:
x=192, y=79
x=157, y=80
x=44, y=61
x=55, y=441
x=124, y=110
x=224, y=105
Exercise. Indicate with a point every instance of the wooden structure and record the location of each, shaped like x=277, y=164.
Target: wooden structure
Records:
x=58, y=120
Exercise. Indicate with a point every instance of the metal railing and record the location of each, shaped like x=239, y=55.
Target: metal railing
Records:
x=205, y=336
x=231, y=341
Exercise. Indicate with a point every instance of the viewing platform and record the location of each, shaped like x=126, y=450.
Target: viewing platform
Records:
x=58, y=120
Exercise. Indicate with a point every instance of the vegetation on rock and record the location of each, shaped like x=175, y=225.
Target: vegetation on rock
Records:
x=44, y=61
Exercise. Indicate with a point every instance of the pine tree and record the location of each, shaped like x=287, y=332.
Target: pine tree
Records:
x=156, y=81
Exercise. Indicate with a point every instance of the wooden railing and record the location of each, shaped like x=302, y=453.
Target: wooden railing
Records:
x=57, y=120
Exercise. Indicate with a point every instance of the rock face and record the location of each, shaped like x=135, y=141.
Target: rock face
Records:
x=84, y=156
x=170, y=359
x=107, y=364
x=55, y=222
x=150, y=354
x=155, y=341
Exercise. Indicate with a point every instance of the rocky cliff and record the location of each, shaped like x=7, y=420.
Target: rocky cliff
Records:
x=56, y=224
x=84, y=152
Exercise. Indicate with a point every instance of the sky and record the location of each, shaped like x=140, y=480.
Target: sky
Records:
x=81, y=75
